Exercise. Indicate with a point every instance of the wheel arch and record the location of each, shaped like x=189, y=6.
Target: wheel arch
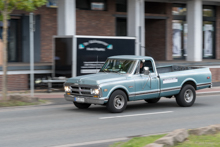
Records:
x=119, y=88
x=190, y=82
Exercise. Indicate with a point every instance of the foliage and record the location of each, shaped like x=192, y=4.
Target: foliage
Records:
x=138, y=141
x=26, y=5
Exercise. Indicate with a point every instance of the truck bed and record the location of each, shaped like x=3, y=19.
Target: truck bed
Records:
x=174, y=68
x=173, y=77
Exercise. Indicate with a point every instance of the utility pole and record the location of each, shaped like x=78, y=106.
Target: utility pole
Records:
x=31, y=20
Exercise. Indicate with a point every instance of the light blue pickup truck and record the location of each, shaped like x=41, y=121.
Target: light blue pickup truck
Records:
x=130, y=78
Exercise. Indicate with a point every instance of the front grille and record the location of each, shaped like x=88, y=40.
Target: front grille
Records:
x=81, y=90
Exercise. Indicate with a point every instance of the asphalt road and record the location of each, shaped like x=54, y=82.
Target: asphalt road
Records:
x=63, y=124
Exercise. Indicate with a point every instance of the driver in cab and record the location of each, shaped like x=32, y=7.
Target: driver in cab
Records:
x=141, y=67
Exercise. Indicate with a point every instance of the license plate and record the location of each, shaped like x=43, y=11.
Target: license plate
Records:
x=77, y=99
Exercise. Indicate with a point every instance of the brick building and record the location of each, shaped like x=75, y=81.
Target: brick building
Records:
x=172, y=31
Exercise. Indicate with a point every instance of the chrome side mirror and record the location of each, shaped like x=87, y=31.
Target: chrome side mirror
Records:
x=146, y=71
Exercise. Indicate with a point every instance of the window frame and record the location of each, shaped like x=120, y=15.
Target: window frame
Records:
x=90, y=7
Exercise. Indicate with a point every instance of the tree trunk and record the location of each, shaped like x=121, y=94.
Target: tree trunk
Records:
x=5, y=54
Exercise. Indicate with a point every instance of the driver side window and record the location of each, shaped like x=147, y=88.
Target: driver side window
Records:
x=148, y=63
x=141, y=65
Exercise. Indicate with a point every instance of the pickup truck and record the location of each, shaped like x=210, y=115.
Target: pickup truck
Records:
x=127, y=78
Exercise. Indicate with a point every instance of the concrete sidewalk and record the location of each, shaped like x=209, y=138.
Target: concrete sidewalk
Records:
x=42, y=95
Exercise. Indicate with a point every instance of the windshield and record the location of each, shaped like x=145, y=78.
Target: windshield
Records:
x=118, y=66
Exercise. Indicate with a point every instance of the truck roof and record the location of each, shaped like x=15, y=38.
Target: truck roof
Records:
x=132, y=57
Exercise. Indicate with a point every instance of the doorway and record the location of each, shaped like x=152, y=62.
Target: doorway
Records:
x=155, y=38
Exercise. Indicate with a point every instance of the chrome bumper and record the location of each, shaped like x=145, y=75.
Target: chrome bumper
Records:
x=88, y=100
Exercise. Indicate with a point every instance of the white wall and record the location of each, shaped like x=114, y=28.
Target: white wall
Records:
x=66, y=17
x=194, y=37
x=136, y=24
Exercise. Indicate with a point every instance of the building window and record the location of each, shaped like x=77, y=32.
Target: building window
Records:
x=14, y=39
x=155, y=8
x=179, y=39
x=180, y=32
x=208, y=32
x=52, y=3
x=121, y=5
x=179, y=9
x=18, y=39
x=91, y=5
x=208, y=11
x=121, y=27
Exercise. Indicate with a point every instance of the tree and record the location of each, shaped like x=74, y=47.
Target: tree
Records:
x=6, y=8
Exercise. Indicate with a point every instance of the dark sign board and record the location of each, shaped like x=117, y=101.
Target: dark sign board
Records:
x=93, y=52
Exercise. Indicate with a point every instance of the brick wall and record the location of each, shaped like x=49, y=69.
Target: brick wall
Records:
x=158, y=32
x=169, y=32
x=215, y=74
x=100, y=23
x=217, y=32
x=155, y=39
x=48, y=29
x=16, y=82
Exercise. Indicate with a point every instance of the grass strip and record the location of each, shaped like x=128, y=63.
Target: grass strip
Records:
x=138, y=141
x=192, y=141
x=201, y=141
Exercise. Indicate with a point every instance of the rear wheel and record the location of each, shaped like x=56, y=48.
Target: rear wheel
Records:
x=117, y=102
x=81, y=105
x=187, y=96
x=152, y=101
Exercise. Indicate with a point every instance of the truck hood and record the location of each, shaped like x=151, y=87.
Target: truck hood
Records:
x=96, y=79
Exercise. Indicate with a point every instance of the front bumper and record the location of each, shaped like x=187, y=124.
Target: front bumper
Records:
x=89, y=100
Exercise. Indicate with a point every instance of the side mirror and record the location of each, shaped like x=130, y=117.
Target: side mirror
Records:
x=146, y=71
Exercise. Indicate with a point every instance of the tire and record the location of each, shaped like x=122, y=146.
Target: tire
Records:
x=117, y=102
x=81, y=105
x=187, y=96
x=152, y=101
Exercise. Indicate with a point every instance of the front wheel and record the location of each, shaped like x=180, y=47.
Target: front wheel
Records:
x=152, y=101
x=187, y=96
x=117, y=102
x=81, y=105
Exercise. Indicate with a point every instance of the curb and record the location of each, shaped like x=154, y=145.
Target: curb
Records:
x=27, y=106
x=104, y=141
x=208, y=93
x=180, y=135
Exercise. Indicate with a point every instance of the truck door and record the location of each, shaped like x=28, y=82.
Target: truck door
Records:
x=146, y=86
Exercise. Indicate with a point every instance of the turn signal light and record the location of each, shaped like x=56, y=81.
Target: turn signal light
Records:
x=208, y=77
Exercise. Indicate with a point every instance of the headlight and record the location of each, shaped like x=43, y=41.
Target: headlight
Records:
x=67, y=89
x=95, y=91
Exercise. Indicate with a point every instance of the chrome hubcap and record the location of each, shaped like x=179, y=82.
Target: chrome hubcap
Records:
x=119, y=101
x=188, y=95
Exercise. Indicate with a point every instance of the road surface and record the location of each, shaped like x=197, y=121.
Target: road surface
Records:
x=64, y=124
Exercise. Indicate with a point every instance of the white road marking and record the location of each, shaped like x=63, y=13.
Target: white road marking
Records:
x=136, y=115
